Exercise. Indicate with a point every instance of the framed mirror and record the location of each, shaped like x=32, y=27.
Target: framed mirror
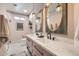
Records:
x=56, y=21
x=39, y=22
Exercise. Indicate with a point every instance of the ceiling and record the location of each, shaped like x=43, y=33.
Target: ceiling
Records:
x=20, y=7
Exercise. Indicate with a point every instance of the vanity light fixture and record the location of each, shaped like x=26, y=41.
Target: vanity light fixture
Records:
x=33, y=13
x=58, y=8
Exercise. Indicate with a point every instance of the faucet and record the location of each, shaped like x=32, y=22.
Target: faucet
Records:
x=49, y=36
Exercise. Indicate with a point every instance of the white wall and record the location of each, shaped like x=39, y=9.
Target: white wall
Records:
x=16, y=36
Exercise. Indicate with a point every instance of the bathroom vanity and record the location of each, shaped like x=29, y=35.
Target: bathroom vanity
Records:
x=35, y=49
x=52, y=19
x=46, y=47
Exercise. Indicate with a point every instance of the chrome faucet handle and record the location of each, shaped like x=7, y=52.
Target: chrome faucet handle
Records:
x=53, y=38
x=49, y=35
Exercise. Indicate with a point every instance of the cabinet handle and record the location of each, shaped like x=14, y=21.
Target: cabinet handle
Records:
x=38, y=50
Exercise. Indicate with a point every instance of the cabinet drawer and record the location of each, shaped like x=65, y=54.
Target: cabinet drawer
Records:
x=30, y=48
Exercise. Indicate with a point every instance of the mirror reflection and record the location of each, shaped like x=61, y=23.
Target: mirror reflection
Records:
x=54, y=16
x=57, y=18
x=39, y=22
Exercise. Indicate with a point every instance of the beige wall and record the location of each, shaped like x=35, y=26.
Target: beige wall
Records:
x=71, y=20
x=76, y=15
x=76, y=25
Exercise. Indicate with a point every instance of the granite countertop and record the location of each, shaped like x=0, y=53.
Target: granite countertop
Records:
x=60, y=47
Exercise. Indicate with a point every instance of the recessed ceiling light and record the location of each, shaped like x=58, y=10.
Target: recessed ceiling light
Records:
x=25, y=11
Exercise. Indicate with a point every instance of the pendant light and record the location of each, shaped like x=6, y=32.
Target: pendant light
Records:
x=58, y=8
x=33, y=13
x=47, y=4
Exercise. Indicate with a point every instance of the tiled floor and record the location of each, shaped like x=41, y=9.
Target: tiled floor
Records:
x=16, y=49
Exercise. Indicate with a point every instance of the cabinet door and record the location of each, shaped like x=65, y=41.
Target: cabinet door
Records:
x=46, y=53
x=38, y=49
x=36, y=52
x=42, y=51
x=29, y=45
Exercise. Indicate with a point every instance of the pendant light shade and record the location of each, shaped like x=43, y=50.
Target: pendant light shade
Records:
x=58, y=8
x=33, y=13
